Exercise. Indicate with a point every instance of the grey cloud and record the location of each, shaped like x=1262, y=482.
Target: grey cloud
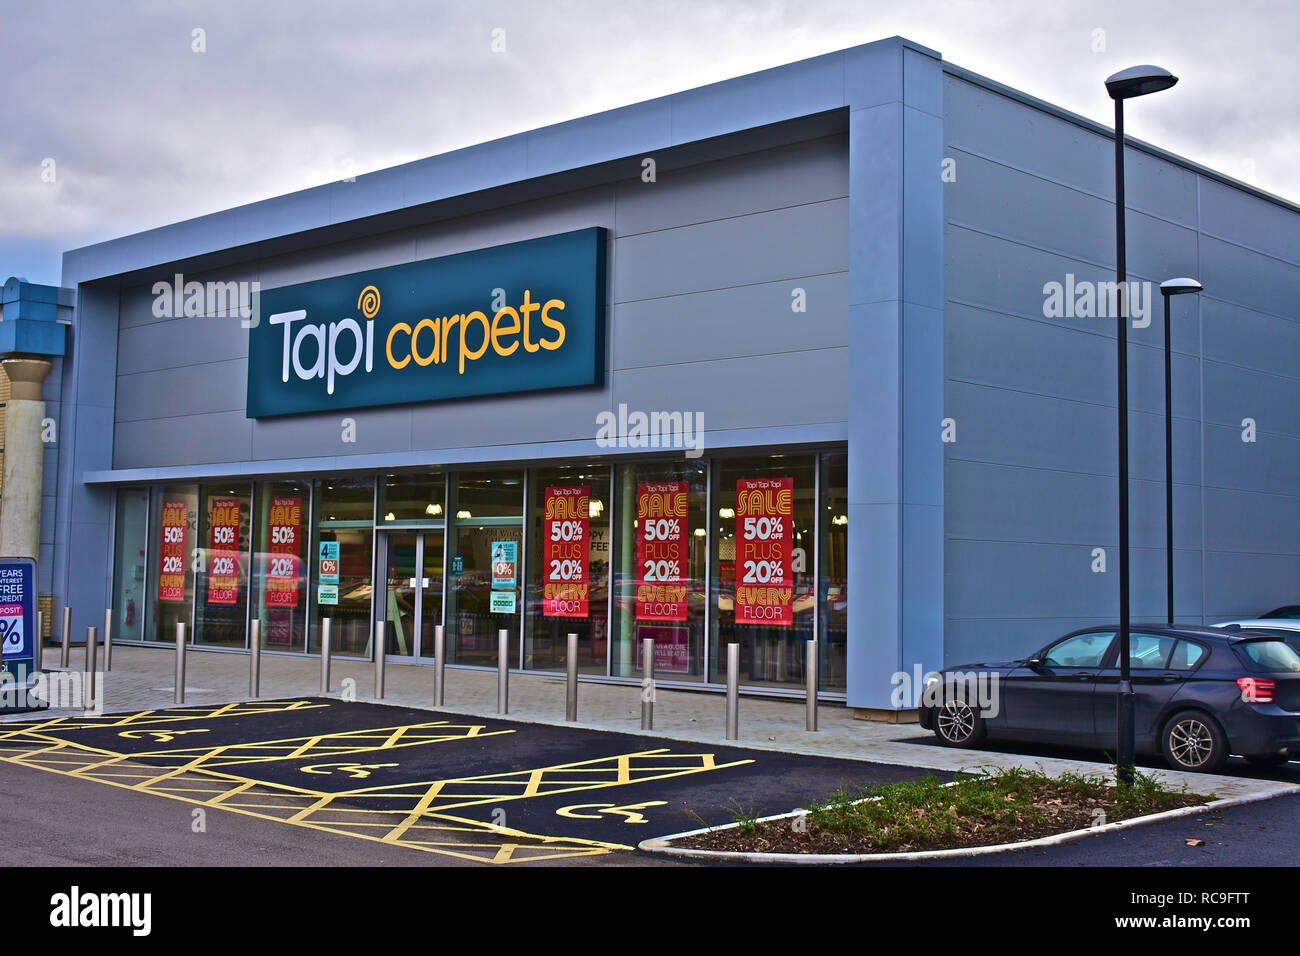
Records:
x=293, y=94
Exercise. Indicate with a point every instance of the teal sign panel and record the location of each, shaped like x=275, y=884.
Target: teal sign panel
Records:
x=520, y=317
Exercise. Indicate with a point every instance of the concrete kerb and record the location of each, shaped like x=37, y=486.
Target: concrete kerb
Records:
x=663, y=845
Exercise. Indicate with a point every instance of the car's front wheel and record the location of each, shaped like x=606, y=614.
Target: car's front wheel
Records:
x=958, y=724
x=1194, y=741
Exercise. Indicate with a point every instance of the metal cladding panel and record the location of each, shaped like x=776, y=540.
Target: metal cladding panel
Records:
x=1031, y=490
x=737, y=224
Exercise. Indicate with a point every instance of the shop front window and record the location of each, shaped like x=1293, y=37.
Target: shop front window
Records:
x=412, y=499
x=173, y=533
x=221, y=566
x=568, y=567
x=659, y=568
x=764, y=510
x=693, y=554
x=485, y=549
x=342, y=564
x=833, y=566
x=280, y=563
x=131, y=548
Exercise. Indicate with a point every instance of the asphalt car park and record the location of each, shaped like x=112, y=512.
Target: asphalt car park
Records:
x=473, y=788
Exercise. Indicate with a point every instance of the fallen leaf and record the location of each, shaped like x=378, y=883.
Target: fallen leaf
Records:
x=1195, y=842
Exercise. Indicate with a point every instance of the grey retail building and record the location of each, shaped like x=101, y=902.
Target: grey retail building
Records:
x=823, y=352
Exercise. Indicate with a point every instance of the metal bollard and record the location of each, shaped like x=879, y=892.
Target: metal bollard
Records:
x=571, y=680
x=108, y=639
x=503, y=671
x=439, y=665
x=733, y=691
x=810, y=669
x=88, y=683
x=647, y=683
x=255, y=659
x=39, y=647
x=180, y=662
x=325, y=625
x=381, y=657
x=67, y=637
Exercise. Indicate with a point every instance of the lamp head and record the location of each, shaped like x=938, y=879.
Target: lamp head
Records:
x=1179, y=286
x=1139, y=81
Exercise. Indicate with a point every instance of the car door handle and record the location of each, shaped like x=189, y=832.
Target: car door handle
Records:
x=1085, y=676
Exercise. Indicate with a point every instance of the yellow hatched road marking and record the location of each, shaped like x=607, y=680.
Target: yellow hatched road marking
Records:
x=323, y=801
x=241, y=709
x=530, y=785
x=290, y=748
x=426, y=803
x=335, y=744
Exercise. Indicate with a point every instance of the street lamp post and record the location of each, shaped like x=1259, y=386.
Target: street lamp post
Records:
x=1124, y=85
x=1168, y=289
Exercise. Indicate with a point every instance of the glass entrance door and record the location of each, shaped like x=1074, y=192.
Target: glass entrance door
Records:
x=413, y=595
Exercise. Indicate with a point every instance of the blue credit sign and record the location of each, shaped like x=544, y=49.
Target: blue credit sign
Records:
x=505, y=563
x=519, y=317
x=329, y=564
x=17, y=625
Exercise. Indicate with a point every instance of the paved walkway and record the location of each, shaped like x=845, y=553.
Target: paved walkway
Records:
x=142, y=679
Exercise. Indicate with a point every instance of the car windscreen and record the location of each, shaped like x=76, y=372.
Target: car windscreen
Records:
x=1267, y=654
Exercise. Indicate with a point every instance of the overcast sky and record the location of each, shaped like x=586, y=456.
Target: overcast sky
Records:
x=136, y=129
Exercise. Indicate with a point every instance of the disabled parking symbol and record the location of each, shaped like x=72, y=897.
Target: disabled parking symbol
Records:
x=629, y=810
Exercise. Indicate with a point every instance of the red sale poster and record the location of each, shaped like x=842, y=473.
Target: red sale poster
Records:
x=764, y=528
x=171, y=575
x=566, y=524
x=661, y=556
x=282, y=567
x=223, y=557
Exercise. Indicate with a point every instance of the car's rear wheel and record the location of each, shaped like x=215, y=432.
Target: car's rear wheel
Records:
x=1194, y=741
x=957, y=723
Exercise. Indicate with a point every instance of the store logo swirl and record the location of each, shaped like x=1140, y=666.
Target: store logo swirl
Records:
x=368, y=302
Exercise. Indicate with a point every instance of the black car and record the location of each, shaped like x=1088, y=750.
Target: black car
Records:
x=1201, y=693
